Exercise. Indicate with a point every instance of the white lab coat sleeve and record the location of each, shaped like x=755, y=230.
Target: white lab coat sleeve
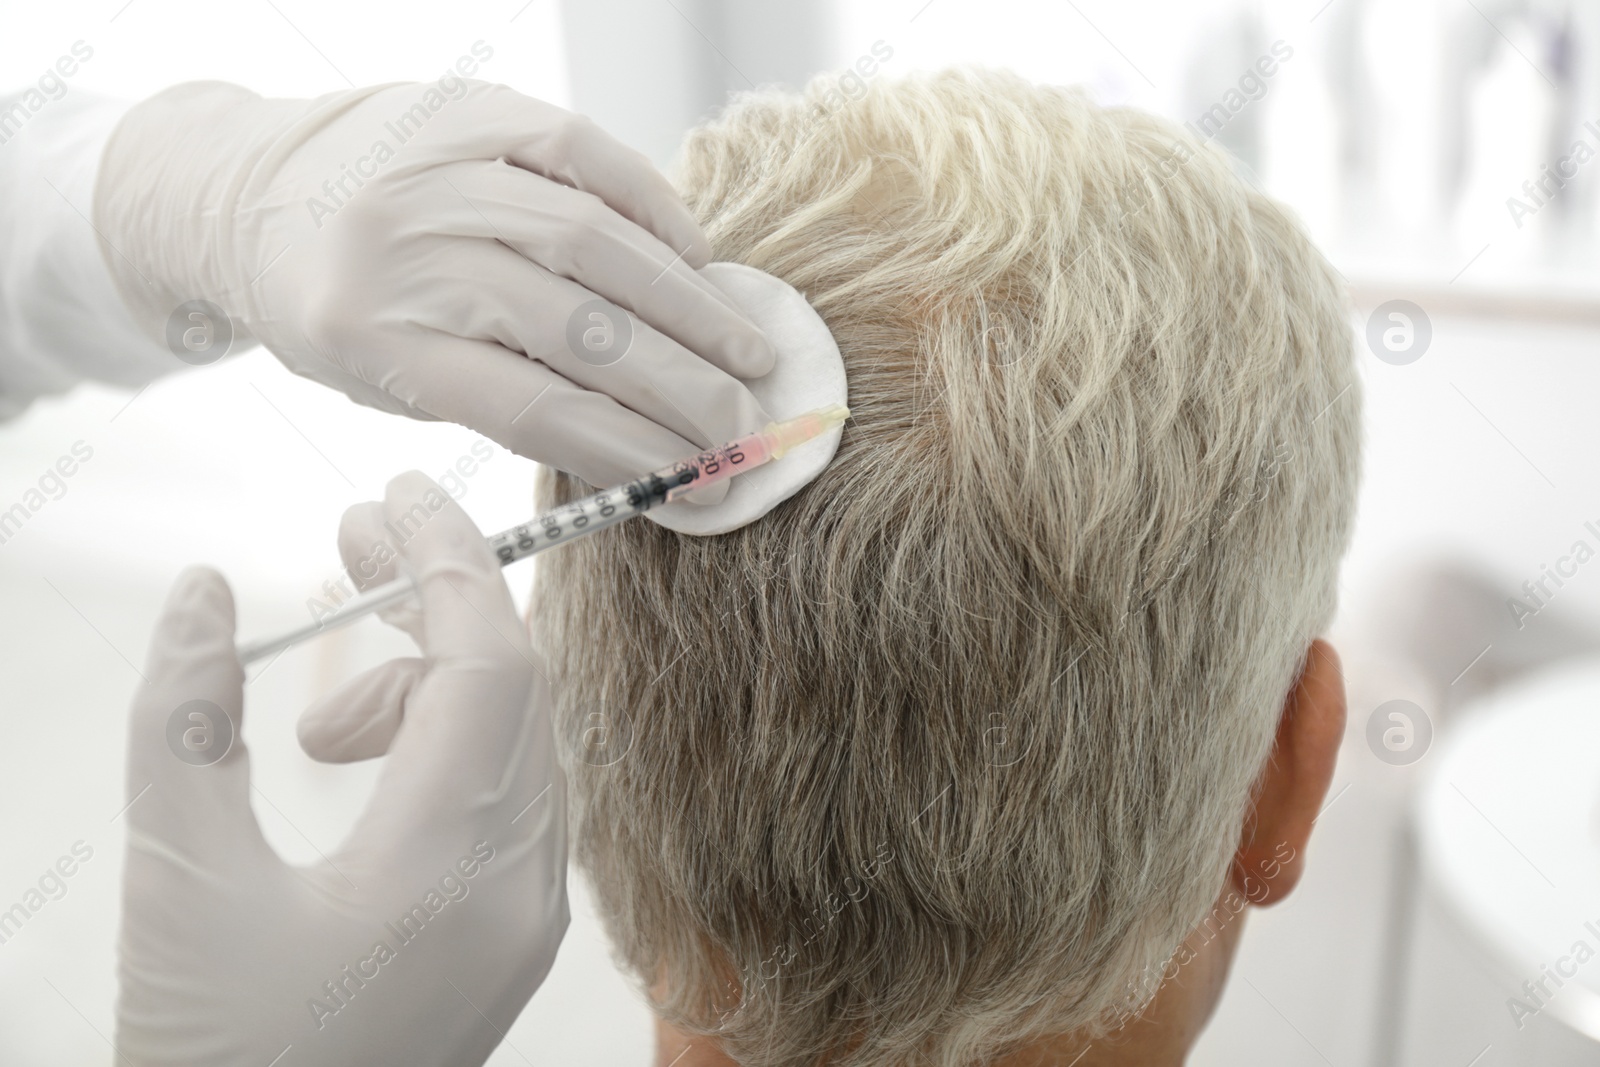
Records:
x=61, y=318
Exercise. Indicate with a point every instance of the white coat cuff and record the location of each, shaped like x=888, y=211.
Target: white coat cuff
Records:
x=61, y=317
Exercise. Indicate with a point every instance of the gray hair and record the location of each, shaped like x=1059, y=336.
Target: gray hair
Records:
x=952, y=749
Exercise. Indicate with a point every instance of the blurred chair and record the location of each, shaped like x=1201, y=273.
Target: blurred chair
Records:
x=1444, y=635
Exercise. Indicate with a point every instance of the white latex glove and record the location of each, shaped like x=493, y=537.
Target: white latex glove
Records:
x=452, y=282
x=422, y=936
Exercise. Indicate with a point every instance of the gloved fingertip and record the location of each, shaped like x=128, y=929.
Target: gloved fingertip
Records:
x=205, y=583
x=411, y=486
x=685, y=235
x=708, y=495
x=191, y=655
x=754, y=354
x=429, y=527
x=413, y=501
x=694, y=246
x=363, y=545
x=360, y=719
x=329, y=737
x=200, y=605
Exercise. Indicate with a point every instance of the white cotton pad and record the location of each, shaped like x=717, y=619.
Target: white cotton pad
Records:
x=807, y=374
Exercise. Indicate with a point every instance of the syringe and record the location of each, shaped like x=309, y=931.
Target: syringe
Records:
x=583, y=517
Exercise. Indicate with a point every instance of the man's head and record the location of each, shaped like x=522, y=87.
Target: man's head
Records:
x=951, y=751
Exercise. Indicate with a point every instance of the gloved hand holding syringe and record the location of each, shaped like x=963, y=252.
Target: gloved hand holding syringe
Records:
x=592, y=513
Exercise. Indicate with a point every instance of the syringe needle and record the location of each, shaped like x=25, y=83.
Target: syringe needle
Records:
x=584, y=517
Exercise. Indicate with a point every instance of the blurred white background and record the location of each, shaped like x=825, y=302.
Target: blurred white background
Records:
x=1398, y=132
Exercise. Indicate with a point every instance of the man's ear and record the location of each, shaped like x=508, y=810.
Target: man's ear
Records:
x=1289, y=793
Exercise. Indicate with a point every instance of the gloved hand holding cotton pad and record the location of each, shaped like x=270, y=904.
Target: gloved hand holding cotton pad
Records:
x=804, y=392
x=807, y=375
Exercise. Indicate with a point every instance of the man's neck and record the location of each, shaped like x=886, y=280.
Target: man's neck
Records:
x=1161, y=1036
x=1144, y=1046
